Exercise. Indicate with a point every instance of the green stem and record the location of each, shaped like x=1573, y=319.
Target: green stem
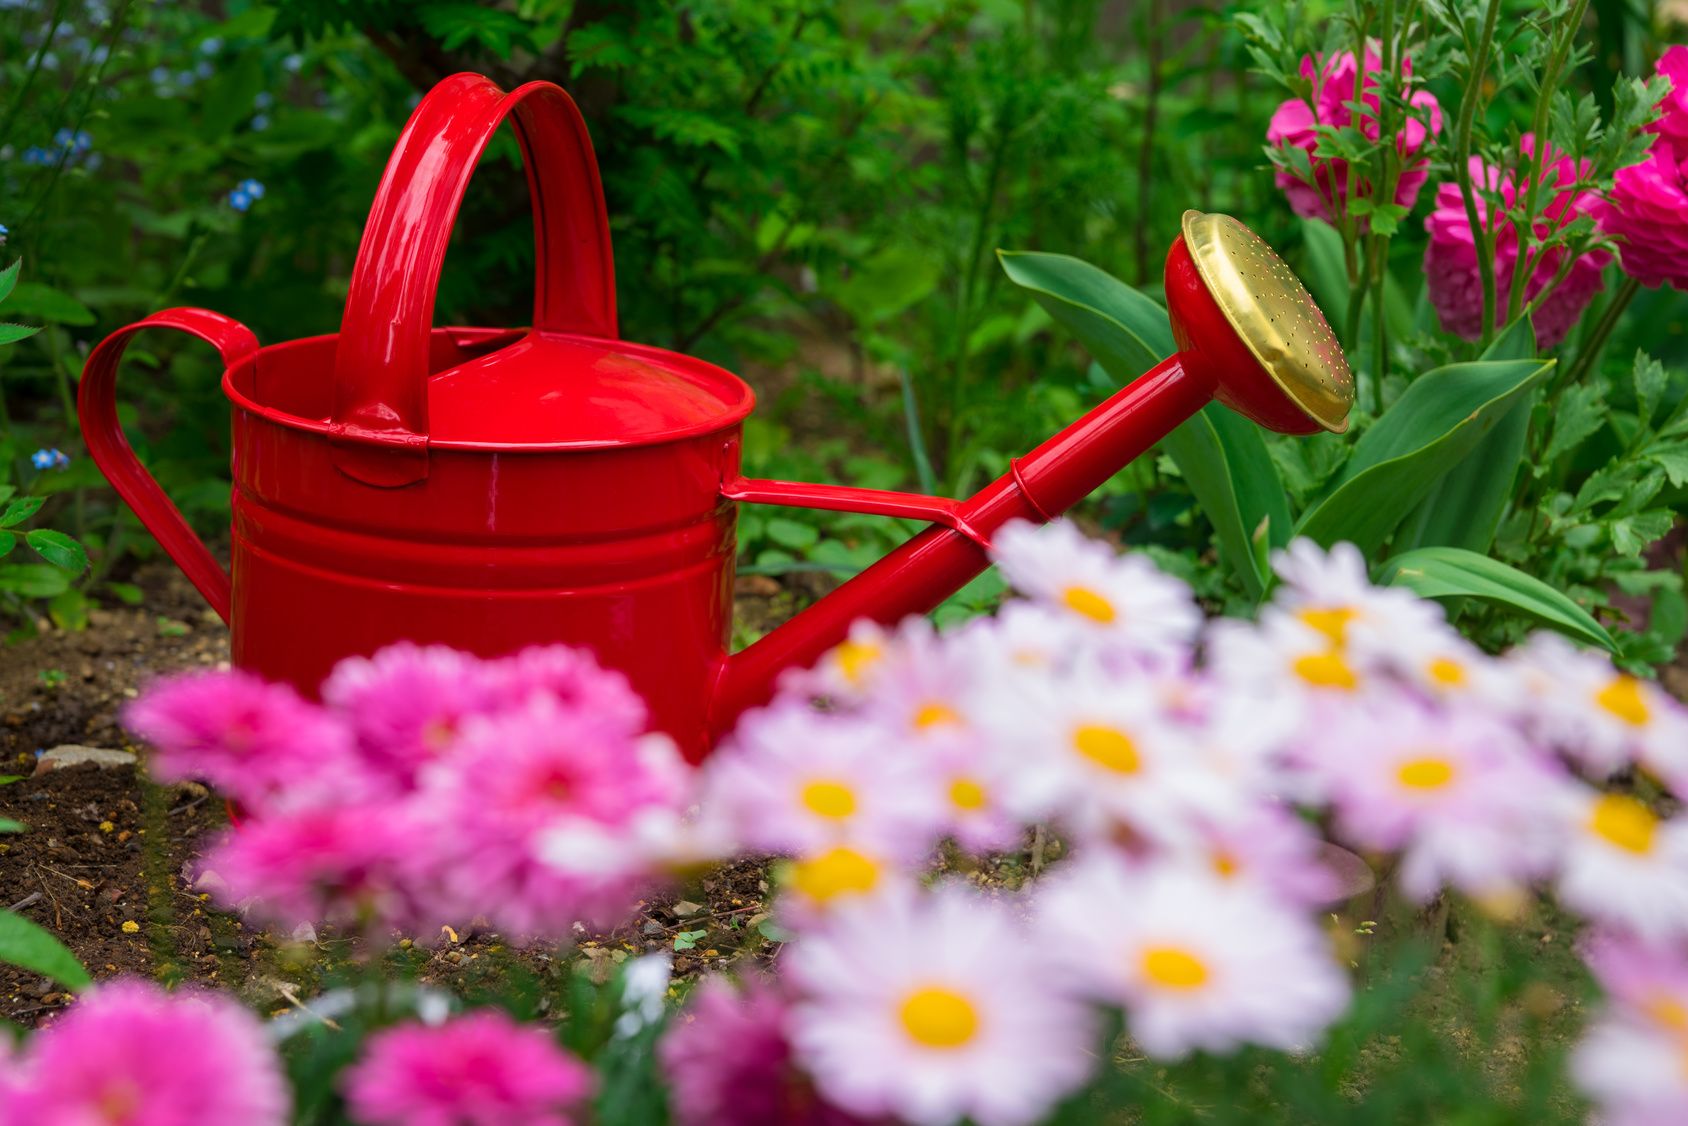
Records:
x=1597, y=339
x=1525, y=226
x=1462, y=166
x=34, y=69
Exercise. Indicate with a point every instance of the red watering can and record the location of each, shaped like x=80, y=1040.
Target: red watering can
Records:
x=491, y=489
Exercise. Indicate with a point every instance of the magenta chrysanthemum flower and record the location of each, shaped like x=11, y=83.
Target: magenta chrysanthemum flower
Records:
x=1450, y=261
x=351, y=864
x=480, y=1069
x=258, y=743
x=130, y=1053
x=1295, y=124
x=573, y=679
x=729, y=1063
x=511, y=782
x=407, y=704
x=1647, y=210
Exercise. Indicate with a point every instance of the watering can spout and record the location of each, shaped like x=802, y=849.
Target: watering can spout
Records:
x=1249, y=335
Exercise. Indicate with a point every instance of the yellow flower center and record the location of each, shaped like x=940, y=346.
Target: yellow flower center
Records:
x=935, y=714
x=1625, y=822
x=1332, y=621
x=1108, y=747
x=855, y=658
x=1667, y=1011
x=825, y=797
x=1089, y=603
x=839, y=872
x=1225, y=864
x=1174, y=968
x=1624, y=699
x=118, y=1102
x=967, y=794
x=1447, y=672
x=1326, y=670
x=1428, y=773
x=939, y=1018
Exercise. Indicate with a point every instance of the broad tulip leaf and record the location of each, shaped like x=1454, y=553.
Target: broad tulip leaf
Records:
x=1221, y=455
x=22, y=943
x=1464, y=508
x=1455, y=573
x=1435, y=423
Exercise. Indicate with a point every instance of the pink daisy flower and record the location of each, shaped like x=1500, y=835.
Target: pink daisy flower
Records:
x=1198, y=962
x=1622, y=865
x=934, y=1008
x=479, y=1069
x=792, y=779
x=258, y=743
x=1457, y=792
x=1630, y=1060
x=127, y=1052
x=1122, y=603
x=573, y=678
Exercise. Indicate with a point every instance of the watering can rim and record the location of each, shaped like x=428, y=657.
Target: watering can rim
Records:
x=737, y=399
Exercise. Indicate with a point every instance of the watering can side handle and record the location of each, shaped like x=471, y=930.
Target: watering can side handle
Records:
x=381, y=363
x=96, y=407
x=844, y=498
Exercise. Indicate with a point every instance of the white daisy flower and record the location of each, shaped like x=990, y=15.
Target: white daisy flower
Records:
x=1096, y=753
x=1198, y=961
x=1331, y=593
x=1602, y=718
x=816, y=884
x=935, y=1008
x=1124, y=600
x=793, y=779
x=1623, y=865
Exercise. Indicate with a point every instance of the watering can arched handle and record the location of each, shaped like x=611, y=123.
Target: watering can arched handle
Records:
x=380, y=419
x=96, y=406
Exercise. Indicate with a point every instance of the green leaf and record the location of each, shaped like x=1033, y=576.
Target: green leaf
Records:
x=1126, y=331
x=1440, y=419
x=20, y=510
x=1651, y=379
x=12, y=333
x=1453, y=572
x=791, y=534
x=7, y=825
x=22, y=943
x=1672, y=459
x=9, y=278
x=1633, y=534
x=69, y=610
x=1580, y=413
x=58, y=549
x=8, y=540
x=33, y=580
x=1326, y=274
x=32, y=299
x=1464, y=508
x=686, y=940
x=127, y=593
x=1221, y=455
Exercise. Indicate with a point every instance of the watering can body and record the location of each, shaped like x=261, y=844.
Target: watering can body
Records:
x=491, y=489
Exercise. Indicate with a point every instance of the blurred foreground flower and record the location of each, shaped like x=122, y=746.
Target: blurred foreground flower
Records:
x=1450, y=260
x=480, y=1069
x=128, y=1052
x=1326, y=192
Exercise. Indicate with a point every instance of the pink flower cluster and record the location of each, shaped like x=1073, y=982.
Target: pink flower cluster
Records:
x=1647, y=211
x=1296, y=124
x=1450, y=261
x=1174, y=757
x=430, y=787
